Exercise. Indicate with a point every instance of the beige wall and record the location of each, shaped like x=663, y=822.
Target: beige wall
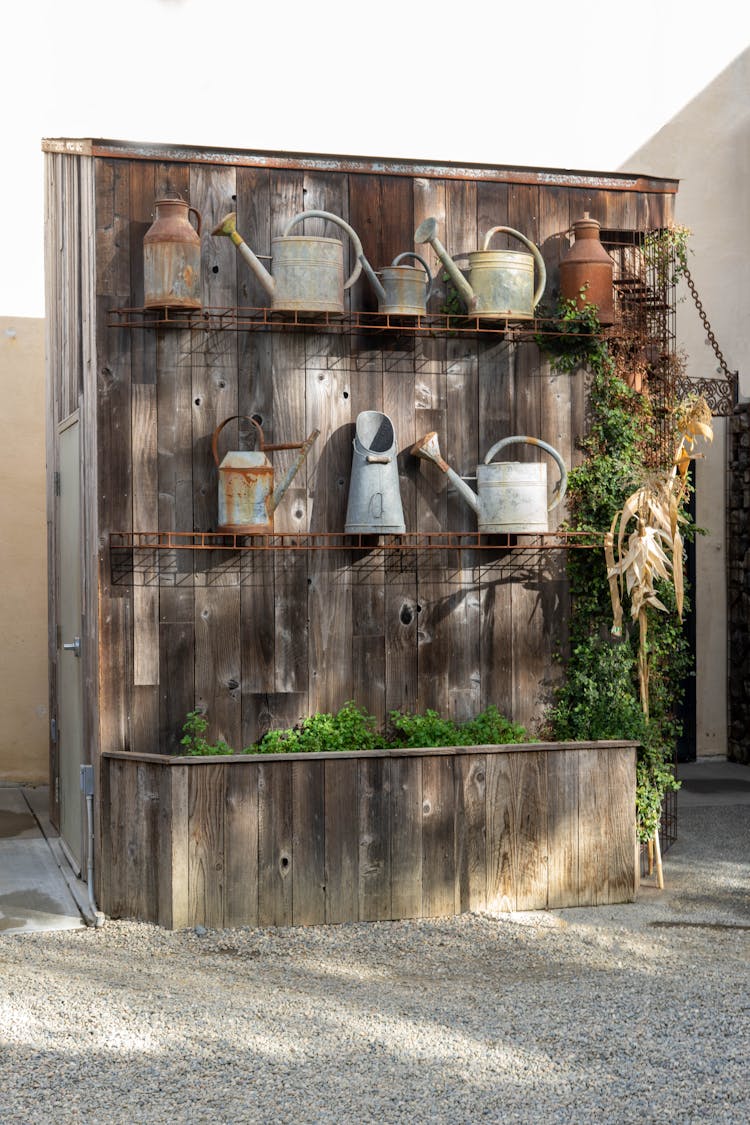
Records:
x=707, y=147
x=23, y=554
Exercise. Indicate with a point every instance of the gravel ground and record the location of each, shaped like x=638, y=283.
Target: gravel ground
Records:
x=635, y=1013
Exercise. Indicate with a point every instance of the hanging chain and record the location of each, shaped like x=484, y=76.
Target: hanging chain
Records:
x=730, y=375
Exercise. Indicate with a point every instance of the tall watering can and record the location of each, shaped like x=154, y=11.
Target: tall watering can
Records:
x=248, y=495
x=172, y=257
x=501, y=282
x=511, y=495
x=307, y=273
x=374, y=505
x=401, y=290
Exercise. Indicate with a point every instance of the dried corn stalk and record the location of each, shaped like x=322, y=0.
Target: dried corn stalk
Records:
x=654, y=548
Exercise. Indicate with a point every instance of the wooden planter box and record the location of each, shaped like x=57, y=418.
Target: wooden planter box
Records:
x=310, y=839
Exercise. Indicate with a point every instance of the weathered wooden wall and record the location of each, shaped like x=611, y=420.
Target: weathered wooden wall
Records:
x=323, y=838
x=274, y=637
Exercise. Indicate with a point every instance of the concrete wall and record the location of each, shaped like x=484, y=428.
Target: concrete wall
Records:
x=23, y=554
x=707, y=147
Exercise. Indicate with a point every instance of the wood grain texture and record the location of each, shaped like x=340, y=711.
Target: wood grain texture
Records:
x=312, y=840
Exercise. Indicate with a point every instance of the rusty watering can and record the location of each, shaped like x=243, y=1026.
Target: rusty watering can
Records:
x=401, y=290
x=172, y=257
x=501, y=282
x=247, y=495
x=307, y=273
x=511, y=495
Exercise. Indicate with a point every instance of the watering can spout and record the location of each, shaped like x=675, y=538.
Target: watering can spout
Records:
x=427, y=232
x=428, y=449
x=289, y=476
x=228, y=227
x=373, y=279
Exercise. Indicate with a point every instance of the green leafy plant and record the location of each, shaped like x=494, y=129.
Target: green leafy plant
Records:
x=600, y=694
x=571, y=335
x=351, y=728
x=430, y=729
x=194, y=740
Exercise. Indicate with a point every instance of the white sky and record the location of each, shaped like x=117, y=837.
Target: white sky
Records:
x=545, y=84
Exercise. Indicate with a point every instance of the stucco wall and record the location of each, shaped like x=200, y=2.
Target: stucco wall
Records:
x=23, y=549
x=707, y=148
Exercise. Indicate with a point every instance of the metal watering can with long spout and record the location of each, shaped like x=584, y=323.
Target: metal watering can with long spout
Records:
x=500, y=284
x=511, y=496
x=307, y=272
x=401, y=290
x=248, y=495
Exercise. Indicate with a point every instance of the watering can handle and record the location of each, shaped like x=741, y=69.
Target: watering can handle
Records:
x=358, y=251
x=198, y=219
x=412, y=254
x=534, y=250
x=219, y=428
x=542, y=445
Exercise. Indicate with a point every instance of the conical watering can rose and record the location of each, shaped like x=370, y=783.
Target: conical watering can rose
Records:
x=401, y=290
x=500, y=284
x=248, y=493
x=511, y=496
x=307, y=272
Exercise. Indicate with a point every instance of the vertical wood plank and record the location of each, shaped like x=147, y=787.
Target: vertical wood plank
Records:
x=593, y=795
x=621, y=834
x=308, y=819
x=406, y=841
x=275, y=844
x=206, y=809
x=214, y=392
x=241, y=845
x=255, y=400
x=501, y=834
x=113, y=489
x=374, y=839
x=173, y=853
x=531, y=830
x=438, y=837
x=342, y=839
x=471, y=832
x=562, y=828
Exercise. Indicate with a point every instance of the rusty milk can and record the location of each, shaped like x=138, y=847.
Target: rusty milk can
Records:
x=248, y=494
x=172, y=257
x=588, y=267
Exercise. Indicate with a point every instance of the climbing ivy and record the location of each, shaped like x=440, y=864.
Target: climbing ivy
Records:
x=599, y=695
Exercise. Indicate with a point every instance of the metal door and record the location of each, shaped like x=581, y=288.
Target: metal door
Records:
x=69, y=678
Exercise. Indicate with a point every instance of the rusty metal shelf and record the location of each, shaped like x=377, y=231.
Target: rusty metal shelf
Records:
x=265, y=319
x=335, y=541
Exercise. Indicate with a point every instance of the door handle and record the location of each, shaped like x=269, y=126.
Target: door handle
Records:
x=73, y=646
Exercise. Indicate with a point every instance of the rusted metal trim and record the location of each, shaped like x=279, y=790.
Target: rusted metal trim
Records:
x=339, y=541
x=362, y=165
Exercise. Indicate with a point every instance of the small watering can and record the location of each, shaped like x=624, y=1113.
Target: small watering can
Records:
x=247, y=496
x=501, y=282
x=307, y=272
x=374, y=506
x=401, y=290
x=512, y=495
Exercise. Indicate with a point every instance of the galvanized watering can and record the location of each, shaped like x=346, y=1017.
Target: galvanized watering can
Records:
x=307, y=273
x=374, y=506
x=248, y=496
x=511, y=495
x=401, y=290
x=501, y=282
